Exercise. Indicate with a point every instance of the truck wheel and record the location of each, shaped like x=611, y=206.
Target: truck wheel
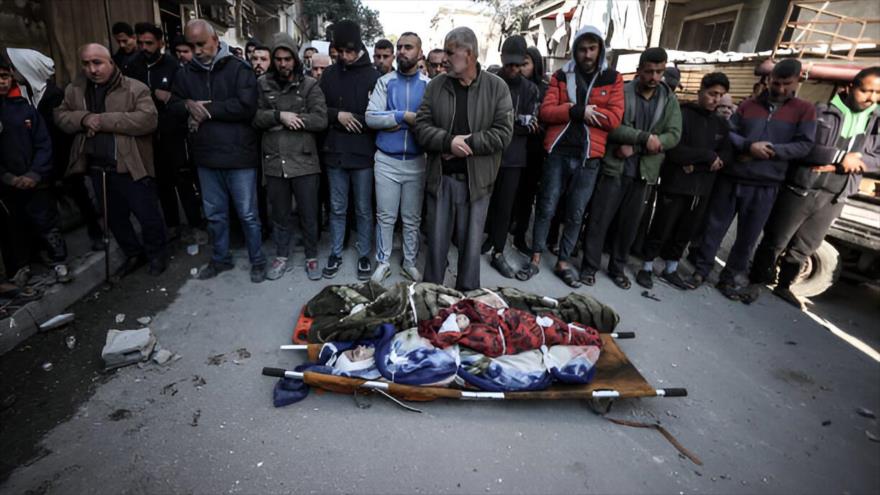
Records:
x=820, y=271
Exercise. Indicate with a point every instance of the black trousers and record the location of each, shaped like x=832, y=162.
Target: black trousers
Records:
x=676, y=219
x=33, y=215
x=178, y=184
x=74, y=186
x=501, y=206
x=304, y=189
x=795, y=231
x=140, y=198
x=623, y=197
x=526, y=193
x=638, y=246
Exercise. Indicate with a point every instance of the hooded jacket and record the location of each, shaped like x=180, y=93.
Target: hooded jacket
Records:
x=227, y=139
x=665, y=124
x=25, y=147
x=831, y=147
x=526, y=99
x=560, y=108
x=129, y=116
x=36, y=68
x=288, y=153
x=395, y=94
x=790, y=127
x=347, y=88
x=490, y=118
x=704, y=137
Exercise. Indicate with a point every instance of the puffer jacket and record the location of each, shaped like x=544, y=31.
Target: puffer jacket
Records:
x=130, y=115
x=227, y=140
x=490, y=115
x=560, y=108
x=288, y=153
x=829, y=150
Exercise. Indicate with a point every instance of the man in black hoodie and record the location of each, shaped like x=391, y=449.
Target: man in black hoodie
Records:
x=157, y=70
x=686, y=179
x=124, y=36
x=526, y=98
x=349, y=145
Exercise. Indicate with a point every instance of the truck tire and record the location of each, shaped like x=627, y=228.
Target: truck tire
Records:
x=819, y=272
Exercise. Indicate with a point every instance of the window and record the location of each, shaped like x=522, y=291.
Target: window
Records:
x=708, y=34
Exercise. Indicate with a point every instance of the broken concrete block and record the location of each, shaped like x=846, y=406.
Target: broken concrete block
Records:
x=124, y=347
x=57, y=321
x=162, y=356
x=144, y=320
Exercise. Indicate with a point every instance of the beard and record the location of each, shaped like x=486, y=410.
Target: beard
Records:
x=405, y=65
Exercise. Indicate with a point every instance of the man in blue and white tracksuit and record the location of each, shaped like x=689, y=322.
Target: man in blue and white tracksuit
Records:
x=400, y=162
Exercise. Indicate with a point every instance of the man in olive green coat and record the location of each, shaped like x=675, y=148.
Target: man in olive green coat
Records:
x=464, y=123
x=651, y=124
x=291, y=110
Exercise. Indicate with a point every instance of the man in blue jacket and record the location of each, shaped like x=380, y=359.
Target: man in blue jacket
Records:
x=400, y=161
x=216, y=94
x=25, y=173
x=766, y=132
x=349, y=145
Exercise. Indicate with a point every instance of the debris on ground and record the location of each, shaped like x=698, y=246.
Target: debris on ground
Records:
x=192, y=249
x=119, y=415
x=650, y=295
x=47, y=366
x=120, y=317
x=162, y=356
x=194, y=272
x=125, y=347
x=144, y=320
x=70, y=341
x=57, y=321
x=866, y=413
x=216, y=360
x=196, y=416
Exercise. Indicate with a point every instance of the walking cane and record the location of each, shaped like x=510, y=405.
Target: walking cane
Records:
x=106, y=238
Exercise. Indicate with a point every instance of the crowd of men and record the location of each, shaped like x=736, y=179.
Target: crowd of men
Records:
x=457, y=153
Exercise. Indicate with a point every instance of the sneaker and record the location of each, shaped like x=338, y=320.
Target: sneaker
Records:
x=645, y=278
x=278, y=268
x=383, y=270
x=312, y=270
x=411, y=272
x=62, y=275
x=157, y=266
x=675, y=280
x=788, y=296
x=212, y=269
x=365, y=269
x=332, y=268
x=258, y=273
x=499, y=262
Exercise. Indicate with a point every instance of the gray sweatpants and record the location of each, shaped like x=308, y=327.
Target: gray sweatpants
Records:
x=452, y=208
x=400, y=186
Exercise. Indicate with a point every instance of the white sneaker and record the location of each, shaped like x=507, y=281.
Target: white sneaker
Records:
x=62, y=274
x=382, y=271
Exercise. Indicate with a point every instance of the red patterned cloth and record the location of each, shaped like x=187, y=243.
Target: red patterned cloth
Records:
x=495, y=332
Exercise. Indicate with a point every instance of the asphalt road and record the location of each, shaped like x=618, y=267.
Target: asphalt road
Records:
x=772, y=405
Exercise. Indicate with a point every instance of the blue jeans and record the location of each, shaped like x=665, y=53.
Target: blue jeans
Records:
x=571, y=180
x=239, y=184
x=360, y=180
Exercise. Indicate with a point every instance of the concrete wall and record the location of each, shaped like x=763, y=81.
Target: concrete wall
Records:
x=752, y=22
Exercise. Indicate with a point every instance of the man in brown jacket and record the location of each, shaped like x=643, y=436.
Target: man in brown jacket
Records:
x=113, y=117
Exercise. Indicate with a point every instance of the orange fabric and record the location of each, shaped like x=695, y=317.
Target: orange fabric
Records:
x=301, y=330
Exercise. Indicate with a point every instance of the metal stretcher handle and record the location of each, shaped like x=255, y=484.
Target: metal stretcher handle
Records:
x=673, y=392
x=623, y=335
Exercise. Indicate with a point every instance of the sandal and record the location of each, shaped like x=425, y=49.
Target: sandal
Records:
x=568, y=275
x=728, y=290
x=527, y=272
x=588, y=279
x=621, y=281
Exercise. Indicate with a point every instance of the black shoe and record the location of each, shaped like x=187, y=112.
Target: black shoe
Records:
x=365, y=269
x=645, y=278
x=258, y=273
x=131, y=264
x=675, y=280
x=213, y=269
x=157, y=266
x=56, y=247
x=500, y=263
x=486, y=247
x=332, y=268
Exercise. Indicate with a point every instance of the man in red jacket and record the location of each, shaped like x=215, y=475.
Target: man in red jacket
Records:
x=583, y=104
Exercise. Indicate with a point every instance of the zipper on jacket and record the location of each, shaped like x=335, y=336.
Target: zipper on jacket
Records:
x=405, y=108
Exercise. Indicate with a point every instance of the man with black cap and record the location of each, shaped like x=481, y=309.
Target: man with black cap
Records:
x=349, y=145
x=526, y=98
x=767, y=132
